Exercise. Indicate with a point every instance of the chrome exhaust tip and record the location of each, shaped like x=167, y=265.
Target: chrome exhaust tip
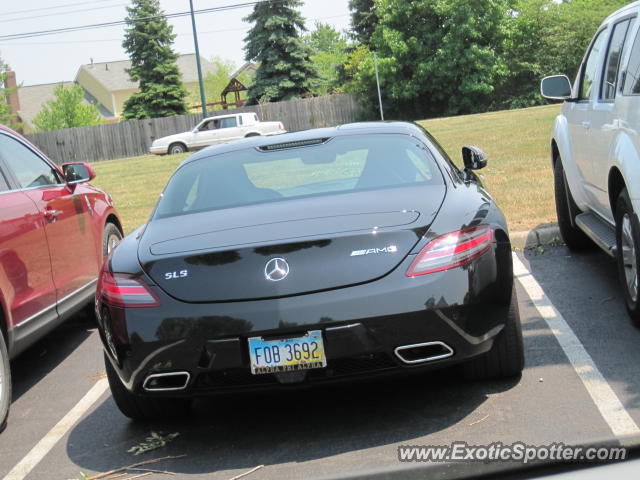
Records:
x=423, y=352
x=166, y=382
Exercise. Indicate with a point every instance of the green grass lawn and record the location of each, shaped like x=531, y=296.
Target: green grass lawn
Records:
x=135, y=184
x=518, y=175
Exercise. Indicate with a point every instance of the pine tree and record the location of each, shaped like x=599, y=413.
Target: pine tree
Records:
x=285, y=71
x=363, y=19
x=148, y=39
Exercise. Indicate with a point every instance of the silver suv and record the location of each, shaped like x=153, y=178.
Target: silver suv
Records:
x=595, y=148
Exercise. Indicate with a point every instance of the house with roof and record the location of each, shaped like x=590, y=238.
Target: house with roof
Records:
x=27, y=101
x=249, y=68
x=109, y=83
x=105, y=84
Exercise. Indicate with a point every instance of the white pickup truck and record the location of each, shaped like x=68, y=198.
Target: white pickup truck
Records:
x=211, y=130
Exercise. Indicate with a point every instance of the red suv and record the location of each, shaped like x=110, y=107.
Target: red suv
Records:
x=55, y=230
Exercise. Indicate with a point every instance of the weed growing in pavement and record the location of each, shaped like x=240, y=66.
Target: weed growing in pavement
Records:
x=154, y=441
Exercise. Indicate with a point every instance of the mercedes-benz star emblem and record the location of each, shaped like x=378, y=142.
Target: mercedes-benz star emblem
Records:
x=276, y=269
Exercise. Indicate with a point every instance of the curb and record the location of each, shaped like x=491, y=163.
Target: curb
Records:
x=547, y=235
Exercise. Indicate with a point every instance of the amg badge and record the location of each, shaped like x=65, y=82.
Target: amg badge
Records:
x=368, y=251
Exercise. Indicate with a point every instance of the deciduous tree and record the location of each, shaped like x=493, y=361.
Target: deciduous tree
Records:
x=546, y=38
x=436, y=56
x=66, y=110
x=330, y=53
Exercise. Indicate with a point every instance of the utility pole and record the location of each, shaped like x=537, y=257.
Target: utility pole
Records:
x=375, y=63
x=203, y=99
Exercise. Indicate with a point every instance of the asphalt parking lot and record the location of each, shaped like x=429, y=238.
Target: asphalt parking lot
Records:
x=580, y=384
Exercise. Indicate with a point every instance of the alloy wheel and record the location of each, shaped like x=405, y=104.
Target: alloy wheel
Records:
x=112, y=242
x=629, y=260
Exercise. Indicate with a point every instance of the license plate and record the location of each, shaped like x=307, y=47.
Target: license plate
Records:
x=287, y=354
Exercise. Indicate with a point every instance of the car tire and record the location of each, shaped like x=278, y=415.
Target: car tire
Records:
x=111, y=237
x=628, y=242
x=176, y=148
x=143, y=408
x=5, y=383
x=566, y=209
x=506, y=357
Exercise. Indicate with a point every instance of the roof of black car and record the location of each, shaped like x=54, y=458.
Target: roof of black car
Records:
x=366, y=128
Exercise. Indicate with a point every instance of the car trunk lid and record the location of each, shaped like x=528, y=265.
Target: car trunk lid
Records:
x=229, y=254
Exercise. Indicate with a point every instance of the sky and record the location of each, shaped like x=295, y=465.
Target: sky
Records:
x=56, y=58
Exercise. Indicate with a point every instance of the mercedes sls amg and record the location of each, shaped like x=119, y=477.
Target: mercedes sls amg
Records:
x=309, y=258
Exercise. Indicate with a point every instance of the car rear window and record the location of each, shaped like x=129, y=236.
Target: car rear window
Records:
x=338, y=165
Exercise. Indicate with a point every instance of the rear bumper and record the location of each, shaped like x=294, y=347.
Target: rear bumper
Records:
x=362, y=326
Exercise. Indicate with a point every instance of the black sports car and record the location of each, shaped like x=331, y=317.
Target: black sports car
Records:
x=307, y=258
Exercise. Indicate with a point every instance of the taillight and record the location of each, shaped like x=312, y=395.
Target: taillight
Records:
x=452, y=250
x=123, y=291
x=281, y=126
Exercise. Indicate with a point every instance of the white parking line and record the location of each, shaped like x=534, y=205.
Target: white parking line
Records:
x=37, y=453
x=604, y=397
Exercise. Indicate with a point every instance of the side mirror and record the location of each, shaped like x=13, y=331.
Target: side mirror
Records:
x=79, y=172
x=556, y=87
x=474, y=158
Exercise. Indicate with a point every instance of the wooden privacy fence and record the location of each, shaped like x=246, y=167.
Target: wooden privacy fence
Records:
x=129, y=139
